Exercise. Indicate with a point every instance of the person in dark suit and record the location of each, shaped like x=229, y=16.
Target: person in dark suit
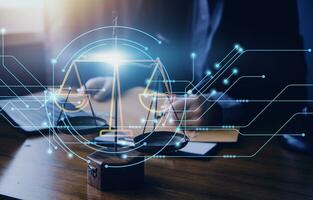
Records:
x=211, y=28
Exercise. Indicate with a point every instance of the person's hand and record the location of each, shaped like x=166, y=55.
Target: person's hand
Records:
x=198, y=112
x=100, y=88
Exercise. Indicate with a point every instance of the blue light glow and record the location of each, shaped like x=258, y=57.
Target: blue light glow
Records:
x=193, y=55
x=70, y=155
x=208, y=72
x=226, y=81
x=53, y=97
x=49, y=151
x=3, y=30
x=236, y=46
x=213, y=92
x=142, y=120
x=53, y=61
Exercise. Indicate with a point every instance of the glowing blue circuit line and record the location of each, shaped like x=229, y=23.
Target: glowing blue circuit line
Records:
x=148, y=158
x=264, y=50
x=53, y=90
x=215, y=101
x=69, y=150
x=13, y=125
x=259, y=100
x=79, y=53
x=14, y=93
x=139, y=50
x=219, y=63
x=24, y=67
x=278, y=50
x=2, y=38
x=290, y=50
x=40, y=96
x=105, y=27
x=57, y=142
x=232, y=60
x=273, y=100
x=34, y=86
x=214, y=78
x=230, y=75
x=2, y=114
x=74, y=130
x=299, y=113
x=226, y=92
x=166, y=73
x=264, y=134
x=143, y=52
x=231, y=51
x=255, y=50
x=193, y=56
x=102, y=44
x=29, y=109
x=241, y=156
x=29, y=121
x=17, y=79
x=290, y=85
x=227, y=55
x=49, y=143
x=137, y=43
x=194, y=110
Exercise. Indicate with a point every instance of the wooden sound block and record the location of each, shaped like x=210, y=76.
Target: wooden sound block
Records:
x=112, y=171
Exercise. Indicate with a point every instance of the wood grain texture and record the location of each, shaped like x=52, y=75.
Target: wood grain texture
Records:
x=28, y=172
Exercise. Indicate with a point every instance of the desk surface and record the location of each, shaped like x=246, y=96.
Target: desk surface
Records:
x=28, y=172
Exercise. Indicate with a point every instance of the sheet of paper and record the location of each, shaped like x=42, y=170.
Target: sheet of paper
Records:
x=199, y=148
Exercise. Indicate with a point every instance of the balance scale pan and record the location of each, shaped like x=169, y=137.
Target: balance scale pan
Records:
x=81, y=125
x=157, y=140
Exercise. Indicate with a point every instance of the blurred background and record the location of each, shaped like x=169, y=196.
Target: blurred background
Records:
x=37, y=29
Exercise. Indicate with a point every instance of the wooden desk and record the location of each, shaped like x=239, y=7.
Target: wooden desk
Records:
x=28, y=172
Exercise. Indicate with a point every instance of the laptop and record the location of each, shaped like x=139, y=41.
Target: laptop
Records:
x=36, y=113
